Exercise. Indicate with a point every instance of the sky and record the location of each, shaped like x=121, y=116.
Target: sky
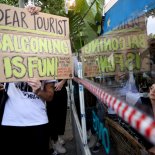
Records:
x=151, y=25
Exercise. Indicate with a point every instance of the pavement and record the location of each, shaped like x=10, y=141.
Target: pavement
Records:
x=101, y=151
x=69, y=137
x=70, y=144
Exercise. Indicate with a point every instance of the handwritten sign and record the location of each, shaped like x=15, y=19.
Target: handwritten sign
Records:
x=119, y=51
x=33, y=45
x=26, y=43
x=16, y=18
x=22, y=66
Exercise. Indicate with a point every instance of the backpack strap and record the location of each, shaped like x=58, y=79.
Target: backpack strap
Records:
x=3, y=101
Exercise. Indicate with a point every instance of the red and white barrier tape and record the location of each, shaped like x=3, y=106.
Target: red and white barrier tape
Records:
x=138, y=120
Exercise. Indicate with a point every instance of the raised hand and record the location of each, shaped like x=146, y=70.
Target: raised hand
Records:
x=35, y=84
x=1, y=87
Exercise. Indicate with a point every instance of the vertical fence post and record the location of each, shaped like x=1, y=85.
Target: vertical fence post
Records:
x=21, y=3
x=82, y=105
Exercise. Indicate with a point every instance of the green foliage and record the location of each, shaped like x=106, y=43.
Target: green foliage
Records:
x=55, y=7
x=10, y=2
x=87, y=27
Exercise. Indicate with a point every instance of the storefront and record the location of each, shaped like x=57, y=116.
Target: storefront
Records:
x=118, y=68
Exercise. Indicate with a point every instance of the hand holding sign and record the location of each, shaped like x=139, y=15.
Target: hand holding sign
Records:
x=33, y=9
x=59, y=85
x=35, y=84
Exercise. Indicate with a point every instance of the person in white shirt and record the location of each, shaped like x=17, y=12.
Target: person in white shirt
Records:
x=24, y=126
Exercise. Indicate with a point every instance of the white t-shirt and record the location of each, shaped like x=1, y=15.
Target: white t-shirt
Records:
x=23, y=107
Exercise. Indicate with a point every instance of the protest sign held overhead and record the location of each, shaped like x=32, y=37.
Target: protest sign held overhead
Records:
x=33, y=45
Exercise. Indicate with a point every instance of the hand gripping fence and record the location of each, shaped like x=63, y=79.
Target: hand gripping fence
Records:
x=144, y=124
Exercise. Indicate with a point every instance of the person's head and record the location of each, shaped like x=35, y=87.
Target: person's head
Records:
x=152, y=92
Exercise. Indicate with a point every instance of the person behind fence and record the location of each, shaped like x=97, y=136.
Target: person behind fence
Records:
x=147, y=105
x=57, y=111
x=24, y=126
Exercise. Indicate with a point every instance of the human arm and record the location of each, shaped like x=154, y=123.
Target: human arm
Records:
x=152, y=151
x=59, y=85
x=46, y=93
